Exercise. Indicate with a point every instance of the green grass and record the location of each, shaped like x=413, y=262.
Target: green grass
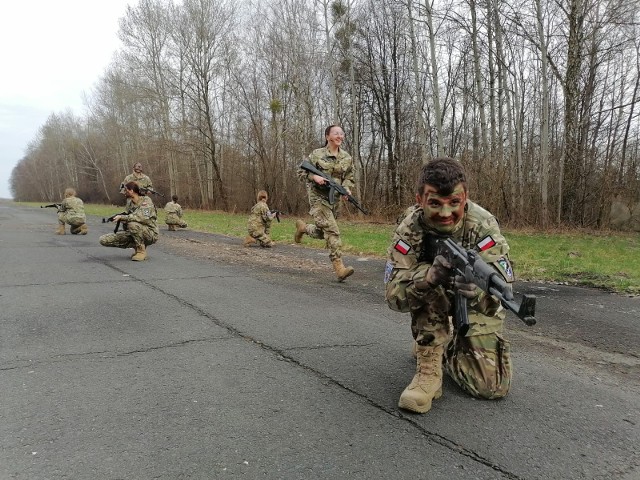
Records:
x=602, y=260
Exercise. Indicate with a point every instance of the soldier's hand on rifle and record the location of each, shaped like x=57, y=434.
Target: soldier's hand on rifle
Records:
x=319, y=180
x=439, y=273
x=464, y=288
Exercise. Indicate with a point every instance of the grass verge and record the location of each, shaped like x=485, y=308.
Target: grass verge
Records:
x=603, y=260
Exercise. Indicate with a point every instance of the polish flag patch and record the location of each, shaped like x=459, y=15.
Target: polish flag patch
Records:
x=403, y=247
x=486, y=243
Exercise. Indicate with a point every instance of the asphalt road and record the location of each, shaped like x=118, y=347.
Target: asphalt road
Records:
x=210, y=360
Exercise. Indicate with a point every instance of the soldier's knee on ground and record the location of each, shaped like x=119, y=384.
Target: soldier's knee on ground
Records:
x=105, y=240
x=481, y=365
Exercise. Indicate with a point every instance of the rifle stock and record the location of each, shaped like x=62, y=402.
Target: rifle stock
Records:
x=333, y=187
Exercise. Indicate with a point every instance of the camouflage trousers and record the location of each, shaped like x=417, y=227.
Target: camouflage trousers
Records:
x=173, y=219
x=136, y=234
x=261, y=236
x=480, y=361
x=326, y=228
x=74, y=221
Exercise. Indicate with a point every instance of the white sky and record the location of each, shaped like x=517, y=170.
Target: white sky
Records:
x=51, y=53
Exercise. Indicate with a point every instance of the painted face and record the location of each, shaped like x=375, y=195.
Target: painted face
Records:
x=335, y=137
x=443, y=212
x=137, y=168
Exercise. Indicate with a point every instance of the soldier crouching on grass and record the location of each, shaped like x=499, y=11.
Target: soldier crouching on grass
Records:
x=141, y=228
x=173, y=214
x=419, y=280
x=259, y=224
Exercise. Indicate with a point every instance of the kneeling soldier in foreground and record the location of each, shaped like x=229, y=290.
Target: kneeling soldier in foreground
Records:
x=419, y=280
x=140, y=226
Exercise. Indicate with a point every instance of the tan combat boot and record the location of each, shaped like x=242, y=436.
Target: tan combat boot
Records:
x=83, y=229
x=171, y=228
x=427, y=382
x=60, y=230
x=248, y=241
x=301, y=229
x=141, y=253
x=341, y=271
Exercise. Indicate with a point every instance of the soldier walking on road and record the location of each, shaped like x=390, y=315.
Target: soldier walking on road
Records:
x=419, y=281
x=338, y=164
x=141, y=228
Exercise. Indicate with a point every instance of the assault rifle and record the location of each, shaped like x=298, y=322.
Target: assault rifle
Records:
x=112, y=218
x=276, y=214
x=144, y=190
x=151, y=190
x=52, y=205
x=475, y=270
x=333, y=187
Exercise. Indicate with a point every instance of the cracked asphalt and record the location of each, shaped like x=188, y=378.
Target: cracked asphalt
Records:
x=210, y=360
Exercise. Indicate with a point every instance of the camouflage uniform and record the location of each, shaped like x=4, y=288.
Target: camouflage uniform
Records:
x=480, y=361
x=340, y=168
x=259, y=224
x=71, y=211
x=142, y=180
x=142, y=228
x=173, y=212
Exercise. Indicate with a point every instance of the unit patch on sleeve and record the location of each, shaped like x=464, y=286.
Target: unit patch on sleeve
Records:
x=402, y=246
x=505, y=265
x=388, y=270
x=486, y=243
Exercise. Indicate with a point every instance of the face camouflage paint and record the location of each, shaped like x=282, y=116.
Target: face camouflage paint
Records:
x=443, y=212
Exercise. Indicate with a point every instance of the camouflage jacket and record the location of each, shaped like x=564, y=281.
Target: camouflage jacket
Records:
x=173, y=210
x=260, y=217
x=339, y=167
x=73, y=209
x=142, y=180
x=143, y=213
x=411, y=253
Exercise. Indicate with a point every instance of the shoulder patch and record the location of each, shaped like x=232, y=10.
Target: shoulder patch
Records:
x=402, y=247
x=388, y=270
x=486, y=243
x=505, y=266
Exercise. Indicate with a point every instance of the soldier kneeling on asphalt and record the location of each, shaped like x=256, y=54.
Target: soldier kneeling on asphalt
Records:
x=71, y=211
x=259, y=223
x=420, y=281
x=173, y=214
x=140, y=226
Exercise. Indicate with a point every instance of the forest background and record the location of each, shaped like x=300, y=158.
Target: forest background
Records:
x=218, y=99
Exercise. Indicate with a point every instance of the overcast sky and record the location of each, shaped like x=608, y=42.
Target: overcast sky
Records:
x=51, y=53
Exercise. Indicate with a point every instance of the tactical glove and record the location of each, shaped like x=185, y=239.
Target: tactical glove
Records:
x=464, y=288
